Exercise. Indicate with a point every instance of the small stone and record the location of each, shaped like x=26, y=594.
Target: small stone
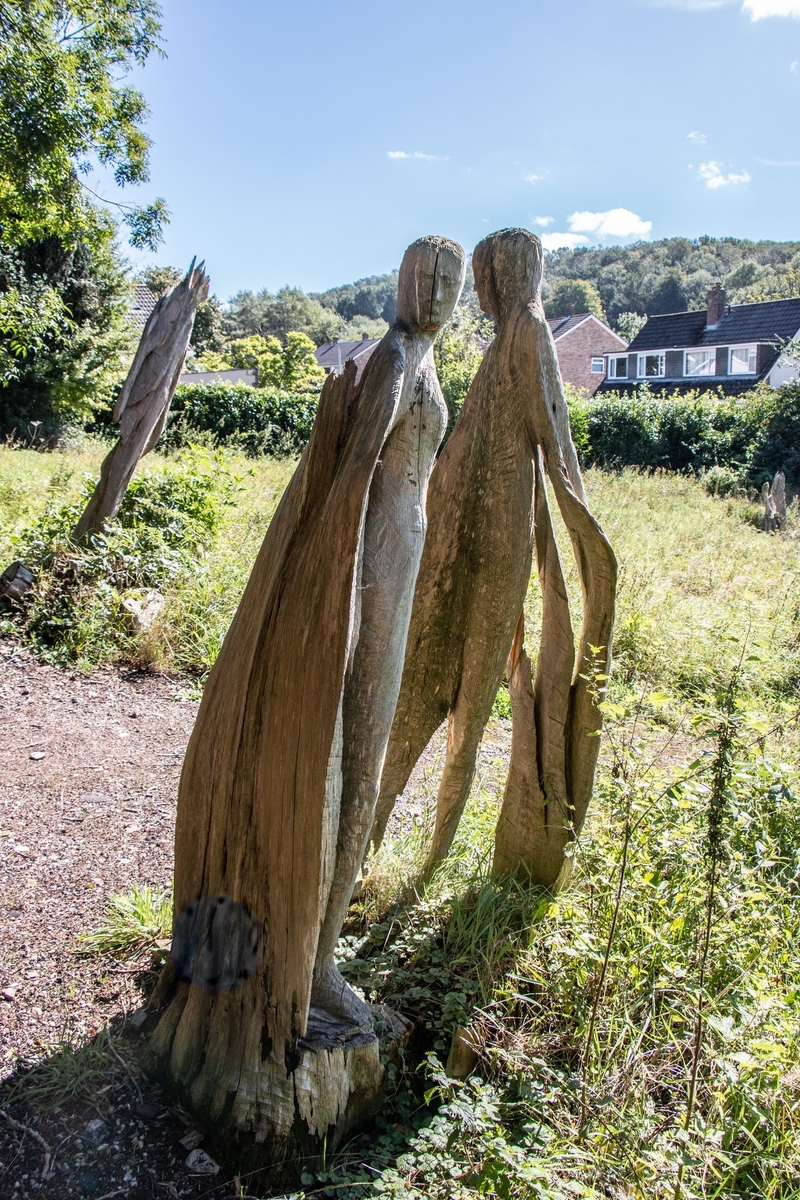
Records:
x=192, y=1139
x=138, y=1018
x=148, y=1112
x=20, y=849
x=37, y=755
x=97, y=1131
x=199, y=1162
x=9, y=993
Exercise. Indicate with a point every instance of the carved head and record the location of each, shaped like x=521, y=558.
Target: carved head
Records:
x=430, y=282
x=508, y=270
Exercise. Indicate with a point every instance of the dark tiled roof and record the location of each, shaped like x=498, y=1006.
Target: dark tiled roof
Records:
x=331, y=353
x=764, y=322
x=561, y=325
x=142, y=304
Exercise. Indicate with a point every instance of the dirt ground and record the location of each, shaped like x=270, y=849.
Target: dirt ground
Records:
x=89, y=768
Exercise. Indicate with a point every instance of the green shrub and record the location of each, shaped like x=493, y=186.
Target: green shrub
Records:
x=74, y=613
x=256, y=421
x=752, y=436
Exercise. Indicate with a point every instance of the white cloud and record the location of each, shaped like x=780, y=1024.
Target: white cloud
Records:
x=772, y=162
x=712, y=174
x=759, y=9
x=697, y=136
x=532, y=178
x=793, y=67
x=543, y=221
x=563, y=241
x=405, y=154
x=616, y=224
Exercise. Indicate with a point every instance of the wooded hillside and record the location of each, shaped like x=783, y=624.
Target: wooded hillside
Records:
x=672, y=275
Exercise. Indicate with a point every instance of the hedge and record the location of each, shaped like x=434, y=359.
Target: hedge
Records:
x=260, y=421
x=754, y=435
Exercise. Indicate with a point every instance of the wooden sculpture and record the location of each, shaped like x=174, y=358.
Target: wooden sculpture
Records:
x=143, y=404
x=486, y=495
x=258, y=1031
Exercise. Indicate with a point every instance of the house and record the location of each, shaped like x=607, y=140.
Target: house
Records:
x=726, y=347
x=229, y=375
x=583, y=344
x=332, y=356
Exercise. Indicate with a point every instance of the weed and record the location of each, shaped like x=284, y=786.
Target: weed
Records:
x=70, y=1072
x=136, y=922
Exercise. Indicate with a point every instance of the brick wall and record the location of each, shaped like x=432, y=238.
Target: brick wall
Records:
x=577, y=349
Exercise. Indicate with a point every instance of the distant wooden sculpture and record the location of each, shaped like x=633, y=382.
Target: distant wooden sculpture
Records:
x=143, y=404
x=258, y=1031
x=487, y=493
x=774, y=500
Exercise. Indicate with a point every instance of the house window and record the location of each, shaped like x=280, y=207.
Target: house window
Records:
x=743, y=360
x=701, y=362
x=597, y=366
x=618, y=367
x=651, y=365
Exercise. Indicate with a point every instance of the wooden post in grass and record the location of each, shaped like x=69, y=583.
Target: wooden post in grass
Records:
x=779, y=499
x=486, y=494
x=143, y=404
x=258, y=1032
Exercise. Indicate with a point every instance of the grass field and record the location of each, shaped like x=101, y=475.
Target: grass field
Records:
x=639, y=1035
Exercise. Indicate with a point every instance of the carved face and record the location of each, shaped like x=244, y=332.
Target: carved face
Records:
x=508, y=270
x=430, y=282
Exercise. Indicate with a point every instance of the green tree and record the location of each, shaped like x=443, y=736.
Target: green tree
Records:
x=629, y=324
x=63, y=106
x=288, y=310
x=458, y=352
x=63, y=333
x=288, y=368
x=574, y=295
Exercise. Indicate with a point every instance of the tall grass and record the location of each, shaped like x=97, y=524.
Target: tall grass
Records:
x=639, y=1034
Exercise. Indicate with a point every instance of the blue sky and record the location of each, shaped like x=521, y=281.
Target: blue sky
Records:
x=309, y=143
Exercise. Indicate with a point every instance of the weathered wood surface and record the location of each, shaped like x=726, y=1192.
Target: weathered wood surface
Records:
x=474, y=574
x=779, y=499
x=143, y=404
x=15, y=581
x=289, y=738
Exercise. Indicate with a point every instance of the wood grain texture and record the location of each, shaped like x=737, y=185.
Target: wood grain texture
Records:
x=291, y=732
x=514, y=426
x=143, y=404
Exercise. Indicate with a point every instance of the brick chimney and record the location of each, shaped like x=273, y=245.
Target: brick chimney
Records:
x=715, y=306
x=570, y=310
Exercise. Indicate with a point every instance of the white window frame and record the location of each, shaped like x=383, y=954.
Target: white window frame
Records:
x=641, y=365
x=752, y=359
x=598, y=365
x=612, y=368
x=710, y=362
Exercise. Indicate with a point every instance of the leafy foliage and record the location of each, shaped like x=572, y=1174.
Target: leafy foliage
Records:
x=374, y=297
x=167, y=520
x=754, y=435
x=288, y=310
x=291, y=367
x=675, y=274
x=458, y=353
x=574, y=296
x=257, y=421
x=61, y=62
x=62, y=331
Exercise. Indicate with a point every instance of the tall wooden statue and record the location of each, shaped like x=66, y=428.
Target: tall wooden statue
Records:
x=143, y=404
x=258, y=1032
x=487, y=494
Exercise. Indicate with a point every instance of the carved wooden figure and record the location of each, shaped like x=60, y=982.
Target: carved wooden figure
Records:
x=279, y=784
x=476, y=567
x=143, y=404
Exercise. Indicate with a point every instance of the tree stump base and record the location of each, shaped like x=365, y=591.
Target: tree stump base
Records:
x=337, y=1086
